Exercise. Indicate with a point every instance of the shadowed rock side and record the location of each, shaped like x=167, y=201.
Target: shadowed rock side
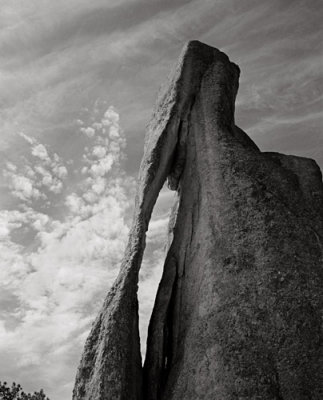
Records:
x=239, y=307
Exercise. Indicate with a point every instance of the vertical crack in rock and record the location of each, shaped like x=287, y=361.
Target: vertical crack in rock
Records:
x=239, y=307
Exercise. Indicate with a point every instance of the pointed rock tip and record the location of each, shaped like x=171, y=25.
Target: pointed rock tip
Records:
x=175, y=96
x=195, y=48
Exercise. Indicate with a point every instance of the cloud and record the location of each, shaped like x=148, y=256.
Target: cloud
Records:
x=102, y=157
x=149, y=278
x=39, y=150
x=89, y=132
x=29, y=181
x=74, y=203
x=103, y=166
x=22, y=187
x=157, y=229
x=99, y=186
x=111, y=117
x=60, y=171
x=60, y=281
x=47, y=86
x=28, y=139
x=99, y=151
x=13, y=263
x=153, y=261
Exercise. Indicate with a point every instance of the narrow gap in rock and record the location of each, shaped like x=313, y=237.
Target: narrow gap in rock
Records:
x=153, y=261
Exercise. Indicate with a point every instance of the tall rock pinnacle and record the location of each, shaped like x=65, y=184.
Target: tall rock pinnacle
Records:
x=238, y=312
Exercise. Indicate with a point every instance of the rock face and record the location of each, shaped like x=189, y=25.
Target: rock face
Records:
x=238, y=313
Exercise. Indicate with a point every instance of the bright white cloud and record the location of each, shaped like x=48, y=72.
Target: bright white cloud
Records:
x=39, y=150
x=157, y=229
x=99, y=151
x=103, y=166
x=110, y=117
x=75, y=203
x=61, y=279
x=113, y=132
x=90, y=197
x=60, y=171
x=99, y=185
x=40, y=222
x=30, y=180
x=23, y=187
x=56, y=187
x=47, y=180
x=9, y=220
x=13, y=266
x=64, y=277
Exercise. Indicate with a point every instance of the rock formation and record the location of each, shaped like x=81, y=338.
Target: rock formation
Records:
x=238, y=313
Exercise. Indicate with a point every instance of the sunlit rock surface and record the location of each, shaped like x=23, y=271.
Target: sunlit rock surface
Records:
x=238, y=313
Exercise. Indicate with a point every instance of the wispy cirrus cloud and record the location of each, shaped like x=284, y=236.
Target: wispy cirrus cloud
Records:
x=278, y=48
x=77, y=63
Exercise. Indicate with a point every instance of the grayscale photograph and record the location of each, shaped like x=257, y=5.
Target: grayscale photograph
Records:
x=161, y=200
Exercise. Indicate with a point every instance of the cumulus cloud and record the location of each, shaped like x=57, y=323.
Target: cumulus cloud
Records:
x=99, y=151
x=39, y=150
x=44, y=171
x=101, y=160
x=9, y=220
x=111, y=117
x=74, y=203
x=102, y=167
x=13, y=266
x=40, y=222
x=60, y=280
x=99, y=185
x=22, y=186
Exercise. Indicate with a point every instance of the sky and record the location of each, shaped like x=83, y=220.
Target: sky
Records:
x=78, y=81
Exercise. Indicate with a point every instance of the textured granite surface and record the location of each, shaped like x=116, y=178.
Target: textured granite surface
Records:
x=238, y=313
